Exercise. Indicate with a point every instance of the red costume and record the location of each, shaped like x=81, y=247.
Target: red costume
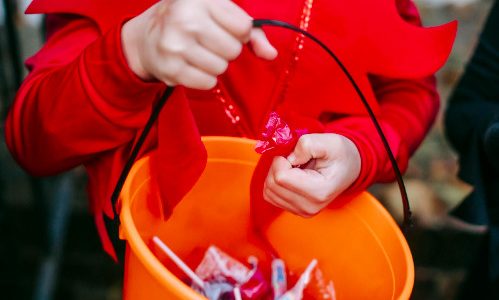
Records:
x=81, y=104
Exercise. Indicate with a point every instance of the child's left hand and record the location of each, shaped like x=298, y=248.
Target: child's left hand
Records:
x=329, y=164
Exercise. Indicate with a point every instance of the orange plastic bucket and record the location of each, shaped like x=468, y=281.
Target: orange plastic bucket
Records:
x=357, y=243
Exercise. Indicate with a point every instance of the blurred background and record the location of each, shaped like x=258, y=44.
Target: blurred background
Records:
x=49, y=248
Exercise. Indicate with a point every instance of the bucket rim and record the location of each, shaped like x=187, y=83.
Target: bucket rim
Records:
x=409, y=261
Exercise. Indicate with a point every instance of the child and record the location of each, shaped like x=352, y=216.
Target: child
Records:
x=91, y=88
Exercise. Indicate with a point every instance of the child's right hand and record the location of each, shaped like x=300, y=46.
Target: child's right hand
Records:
x=190, y=42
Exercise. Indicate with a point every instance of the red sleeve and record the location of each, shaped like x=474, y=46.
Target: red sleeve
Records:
x=80, y=98
x=407, y=110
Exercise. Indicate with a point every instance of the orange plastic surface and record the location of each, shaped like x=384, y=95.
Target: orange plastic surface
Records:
x=356, y=241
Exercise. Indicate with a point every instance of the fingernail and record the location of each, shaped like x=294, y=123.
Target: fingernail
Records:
x=291, y=158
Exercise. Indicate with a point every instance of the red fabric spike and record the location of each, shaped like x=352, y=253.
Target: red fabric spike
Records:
x=181, y=157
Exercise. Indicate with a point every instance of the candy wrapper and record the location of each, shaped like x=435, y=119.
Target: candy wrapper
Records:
x=219, y=266
x=214, y=290
x=296, y=292
x=221, y=277
x=256, y=287
x=278, y=137
x=223, y=274
x=279, y=278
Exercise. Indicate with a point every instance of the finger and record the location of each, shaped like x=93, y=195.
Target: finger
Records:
x=275, y=200
x=232, y=18
x=206, y=60
x=261, y=45
x=158, y=12
x=278, y=174
x=304, y=150
x=195, y=78
x=305, y=182
x=309, y=183
x=279, y=164
x=220, y=42
x=303, y=205
x=173, y=42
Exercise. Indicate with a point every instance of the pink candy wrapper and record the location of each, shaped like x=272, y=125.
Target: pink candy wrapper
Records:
x=278, y=136
x=219, y=266
x=222, y=273
x=256, y=287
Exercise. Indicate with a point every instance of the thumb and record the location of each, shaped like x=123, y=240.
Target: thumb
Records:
x=261, y=45
x=302, y=153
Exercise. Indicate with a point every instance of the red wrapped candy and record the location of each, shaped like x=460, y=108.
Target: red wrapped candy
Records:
x=278, y=138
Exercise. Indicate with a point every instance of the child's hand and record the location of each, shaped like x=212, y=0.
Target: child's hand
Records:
x=190, y=42
x=330, y=163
